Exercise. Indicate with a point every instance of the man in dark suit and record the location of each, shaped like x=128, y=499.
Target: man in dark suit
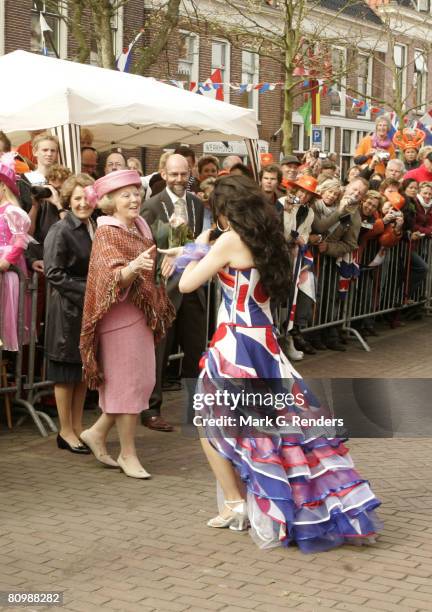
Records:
x=189, y=328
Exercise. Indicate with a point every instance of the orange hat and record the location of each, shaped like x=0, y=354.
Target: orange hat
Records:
x=409, y=138
x=305, y=181
x=396, y=200
x=21, y=167
x=266, y=159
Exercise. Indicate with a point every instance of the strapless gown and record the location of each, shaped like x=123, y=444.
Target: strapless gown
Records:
x=301, y=483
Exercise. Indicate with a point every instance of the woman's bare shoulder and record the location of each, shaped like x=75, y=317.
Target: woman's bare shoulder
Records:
x=230, y=239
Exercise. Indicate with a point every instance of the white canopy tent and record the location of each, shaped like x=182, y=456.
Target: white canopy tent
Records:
x=121, y=109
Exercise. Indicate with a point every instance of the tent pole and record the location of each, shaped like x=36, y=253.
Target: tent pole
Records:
x=253, y=154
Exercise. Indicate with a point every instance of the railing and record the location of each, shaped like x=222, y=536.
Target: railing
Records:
x=379, y=289
x=25, y=386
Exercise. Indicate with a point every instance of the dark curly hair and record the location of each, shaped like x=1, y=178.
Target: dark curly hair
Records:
x=256, y=222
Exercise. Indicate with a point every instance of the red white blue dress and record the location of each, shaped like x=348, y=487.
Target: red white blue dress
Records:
x=301, y=486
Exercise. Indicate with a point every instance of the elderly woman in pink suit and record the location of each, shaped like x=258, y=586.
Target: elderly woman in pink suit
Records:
x=124, y=314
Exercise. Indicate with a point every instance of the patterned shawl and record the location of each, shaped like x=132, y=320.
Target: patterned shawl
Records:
x=113, y=248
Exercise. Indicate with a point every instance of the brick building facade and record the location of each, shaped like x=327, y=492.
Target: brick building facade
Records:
x=192, y=55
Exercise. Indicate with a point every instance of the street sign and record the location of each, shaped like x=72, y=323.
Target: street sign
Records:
x=317, y=136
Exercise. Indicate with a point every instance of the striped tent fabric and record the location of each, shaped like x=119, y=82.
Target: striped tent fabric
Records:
x=254, y=157
x=70, y=146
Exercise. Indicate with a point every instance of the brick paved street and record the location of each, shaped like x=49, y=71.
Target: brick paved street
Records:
x=113, y=543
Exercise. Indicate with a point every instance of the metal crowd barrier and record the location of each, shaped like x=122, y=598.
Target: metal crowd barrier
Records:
x=387, y=287
x=25, y=386
x=379, y=289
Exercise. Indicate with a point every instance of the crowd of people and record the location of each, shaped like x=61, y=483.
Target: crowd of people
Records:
x=105, y=243
x=383, y=198
x=97, y=241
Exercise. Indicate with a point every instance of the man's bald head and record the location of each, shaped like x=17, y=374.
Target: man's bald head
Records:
x=176, y=174
x=231, y=161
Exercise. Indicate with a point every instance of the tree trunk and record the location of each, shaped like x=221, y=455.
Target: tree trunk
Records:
x=102, y=13
x=76, y=9
x=287, y=122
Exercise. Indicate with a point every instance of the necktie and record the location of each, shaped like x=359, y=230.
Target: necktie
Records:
x=180, y=209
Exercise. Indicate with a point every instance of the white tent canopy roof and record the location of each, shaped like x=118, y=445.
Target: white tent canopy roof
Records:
x=121, y=109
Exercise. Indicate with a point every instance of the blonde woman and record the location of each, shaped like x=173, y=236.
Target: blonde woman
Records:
x=66, y=259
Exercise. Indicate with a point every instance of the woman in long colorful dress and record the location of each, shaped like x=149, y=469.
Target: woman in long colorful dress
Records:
x=294, y=484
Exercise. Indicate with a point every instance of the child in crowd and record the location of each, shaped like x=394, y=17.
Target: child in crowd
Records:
x=14, y=225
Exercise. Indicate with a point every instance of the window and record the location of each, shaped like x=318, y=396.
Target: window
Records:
x=250, y=75
x=296, y=137
x=306, y=140
x=423, y=6
x=51, y=13
x=420, y=80
x=364, y=82
x=329, y=139
x=337, y=98
x=188, y=62
x=347, y=151
x=361, y=134
x=221, y=60
x=399, y=55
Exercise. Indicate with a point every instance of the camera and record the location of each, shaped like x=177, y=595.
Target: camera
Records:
x=295, y=200
x=315, y=153
x=345, y=219
x=383, y=156
x=294, y=234
x=39, y=192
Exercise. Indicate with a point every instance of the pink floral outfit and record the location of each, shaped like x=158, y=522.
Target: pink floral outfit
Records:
x=14, y=225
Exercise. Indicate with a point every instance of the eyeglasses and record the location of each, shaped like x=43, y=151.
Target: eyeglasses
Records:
x=115, y=165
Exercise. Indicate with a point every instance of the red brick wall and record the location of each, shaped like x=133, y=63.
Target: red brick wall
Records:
x=17, y=35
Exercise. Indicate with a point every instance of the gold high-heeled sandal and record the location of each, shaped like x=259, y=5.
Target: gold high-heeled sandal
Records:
x=238, y=519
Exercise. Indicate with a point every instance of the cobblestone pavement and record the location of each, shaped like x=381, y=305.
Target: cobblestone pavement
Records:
x=117, y=544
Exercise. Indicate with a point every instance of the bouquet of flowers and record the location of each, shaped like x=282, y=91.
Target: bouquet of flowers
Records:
x=179, y=232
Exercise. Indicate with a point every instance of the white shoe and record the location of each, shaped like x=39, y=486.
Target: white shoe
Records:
x=104, y=458
x=237, y=521
x=139, y=473
x=292, y=352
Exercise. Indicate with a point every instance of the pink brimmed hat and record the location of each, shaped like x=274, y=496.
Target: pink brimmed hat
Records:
x=111, y=182
x=7, y=172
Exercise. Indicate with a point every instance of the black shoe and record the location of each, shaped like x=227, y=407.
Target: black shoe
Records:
x=318, y=344
x=343, y=339
x=80, y=449
x=336, y=346
x=369, y=331
x=302, y=344
x=171, y=385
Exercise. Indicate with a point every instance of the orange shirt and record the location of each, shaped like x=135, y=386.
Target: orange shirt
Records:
x=363, y=148
x=26, y=150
